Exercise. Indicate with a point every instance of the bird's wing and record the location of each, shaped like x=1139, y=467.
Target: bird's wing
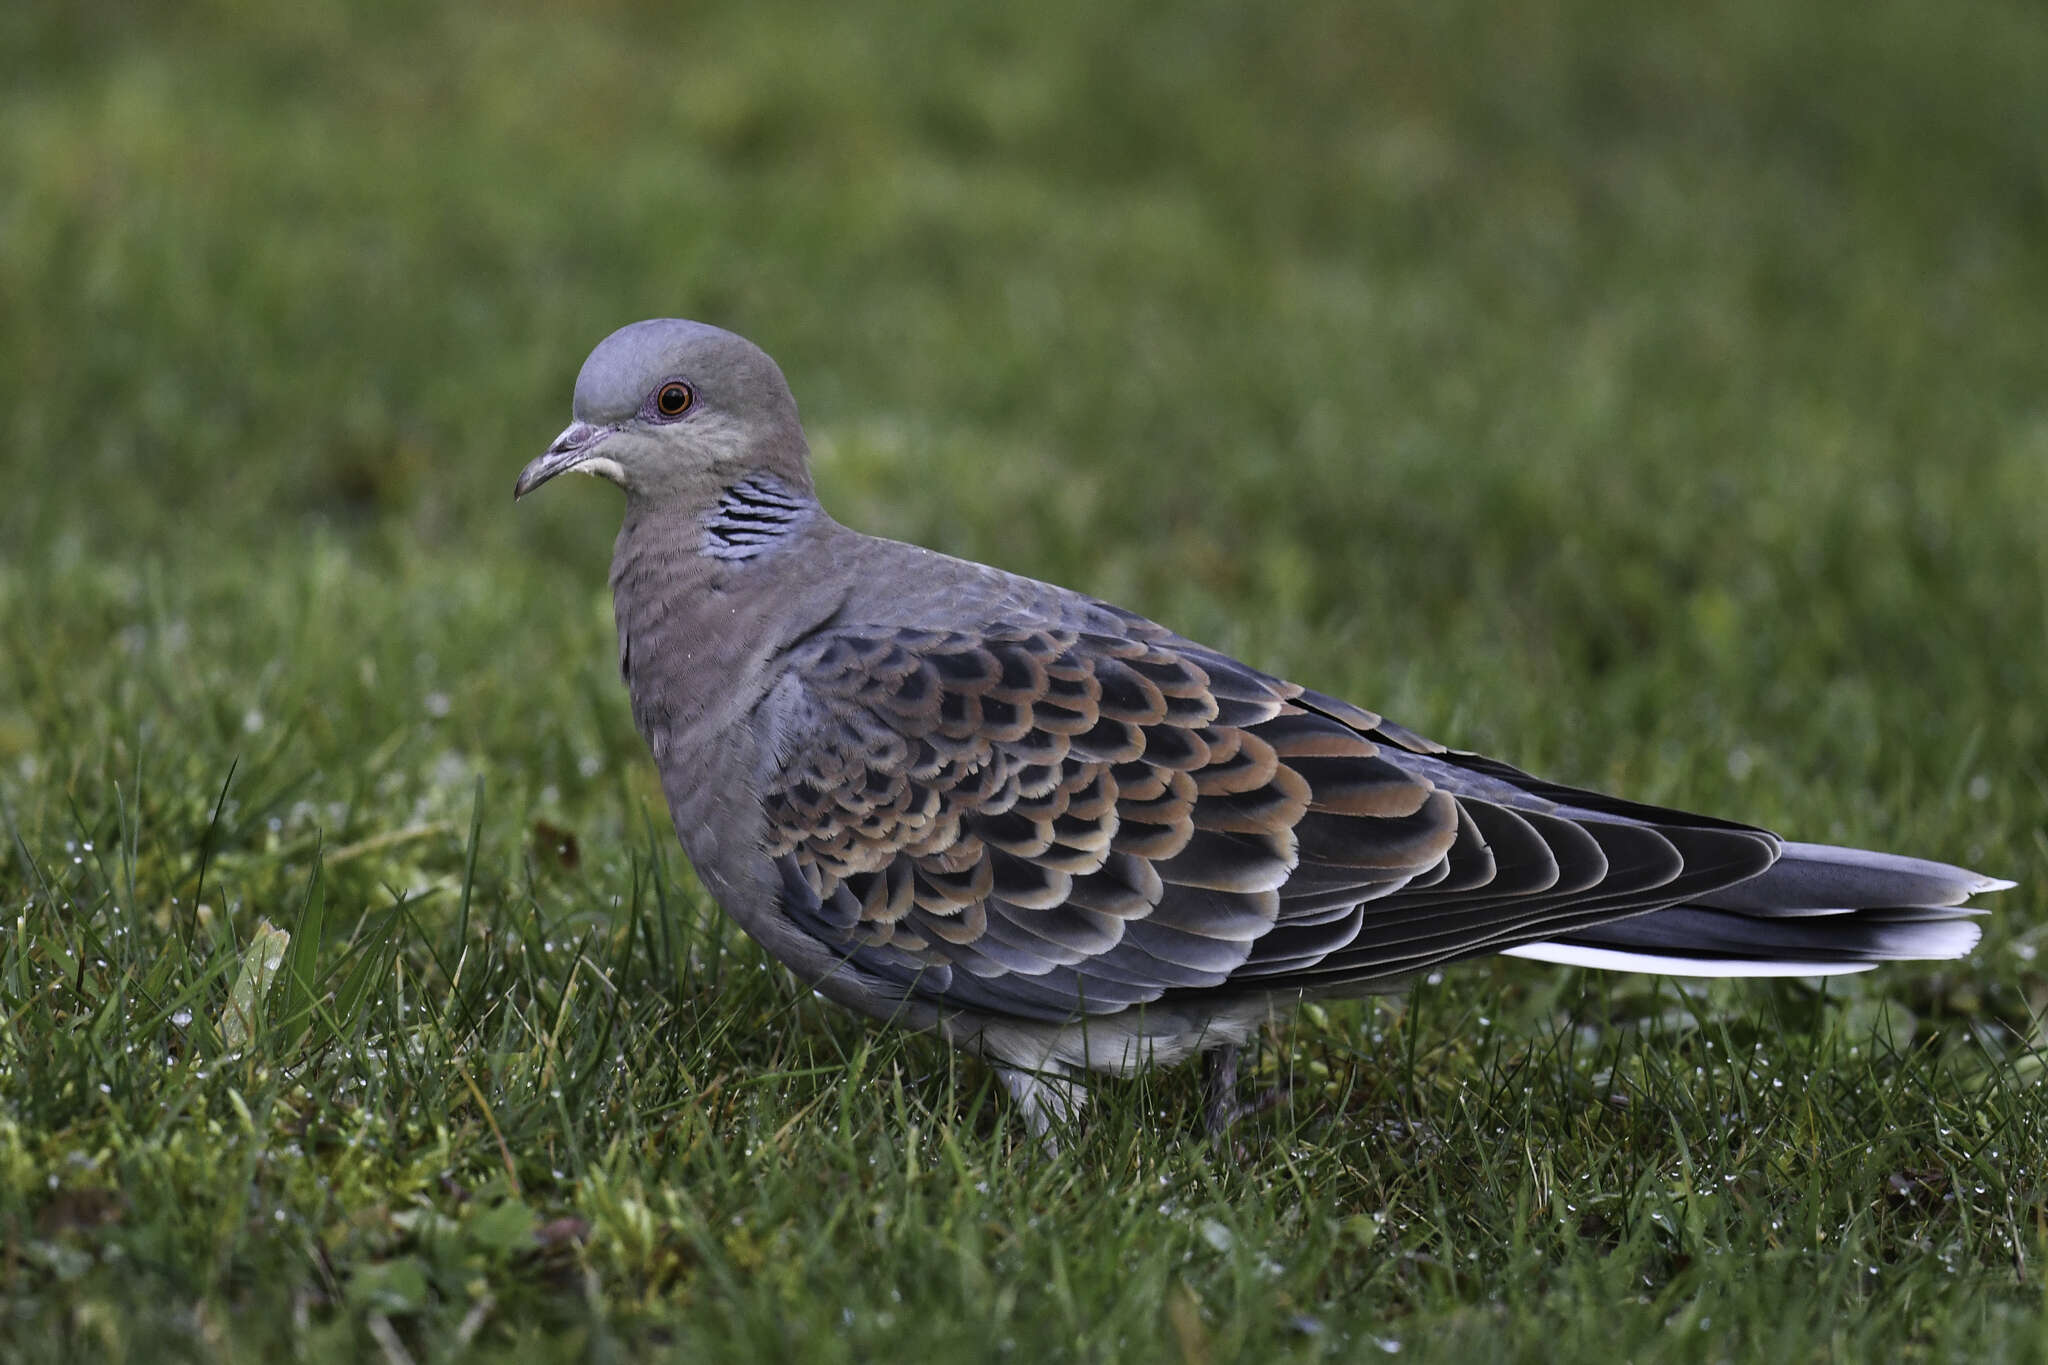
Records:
x=1047, y=821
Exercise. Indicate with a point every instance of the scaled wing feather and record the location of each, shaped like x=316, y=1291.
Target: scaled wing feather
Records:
x=1046, y=821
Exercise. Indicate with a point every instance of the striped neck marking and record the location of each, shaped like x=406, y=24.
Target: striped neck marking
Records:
x=752, y=517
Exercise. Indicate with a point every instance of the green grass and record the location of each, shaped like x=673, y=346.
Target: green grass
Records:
x=1657, y=400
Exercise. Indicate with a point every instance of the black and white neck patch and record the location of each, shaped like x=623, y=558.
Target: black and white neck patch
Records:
x=752, y=517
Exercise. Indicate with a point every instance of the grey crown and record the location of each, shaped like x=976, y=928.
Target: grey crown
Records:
x=1065, y=837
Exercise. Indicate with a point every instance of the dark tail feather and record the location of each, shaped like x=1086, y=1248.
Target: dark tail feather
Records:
x=1818, y=910
x=1822, y=877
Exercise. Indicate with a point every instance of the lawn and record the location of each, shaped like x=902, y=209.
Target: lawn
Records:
x=1655, y=397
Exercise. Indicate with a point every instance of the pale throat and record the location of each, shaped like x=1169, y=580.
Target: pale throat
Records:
x=603, y=467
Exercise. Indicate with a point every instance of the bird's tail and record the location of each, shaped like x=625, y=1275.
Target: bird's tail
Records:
x=1817, y=911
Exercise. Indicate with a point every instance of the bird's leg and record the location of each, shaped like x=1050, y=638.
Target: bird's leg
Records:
x=1219, y=1088
x=1050, y=1101
x=1221, y=1109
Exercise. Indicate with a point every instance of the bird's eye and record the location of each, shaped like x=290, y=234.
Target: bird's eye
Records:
x=673, y=399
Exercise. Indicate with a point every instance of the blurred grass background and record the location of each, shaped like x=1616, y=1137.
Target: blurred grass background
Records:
x=1653, y=395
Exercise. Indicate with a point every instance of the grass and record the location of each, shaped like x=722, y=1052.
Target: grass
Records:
x=1652, y=398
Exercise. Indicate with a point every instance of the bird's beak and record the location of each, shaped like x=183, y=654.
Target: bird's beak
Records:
x=575, y=447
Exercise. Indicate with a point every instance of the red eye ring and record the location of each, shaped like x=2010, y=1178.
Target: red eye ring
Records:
x=673, y=399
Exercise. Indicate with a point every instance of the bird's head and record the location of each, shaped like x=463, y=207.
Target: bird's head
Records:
x=671, y=408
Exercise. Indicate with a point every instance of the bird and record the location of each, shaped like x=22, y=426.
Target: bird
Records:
x=1070, y=841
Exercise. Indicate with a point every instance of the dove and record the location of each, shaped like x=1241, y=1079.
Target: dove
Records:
x=1068, y=840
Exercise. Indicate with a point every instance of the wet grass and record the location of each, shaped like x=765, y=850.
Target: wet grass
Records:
x=1655, y=400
